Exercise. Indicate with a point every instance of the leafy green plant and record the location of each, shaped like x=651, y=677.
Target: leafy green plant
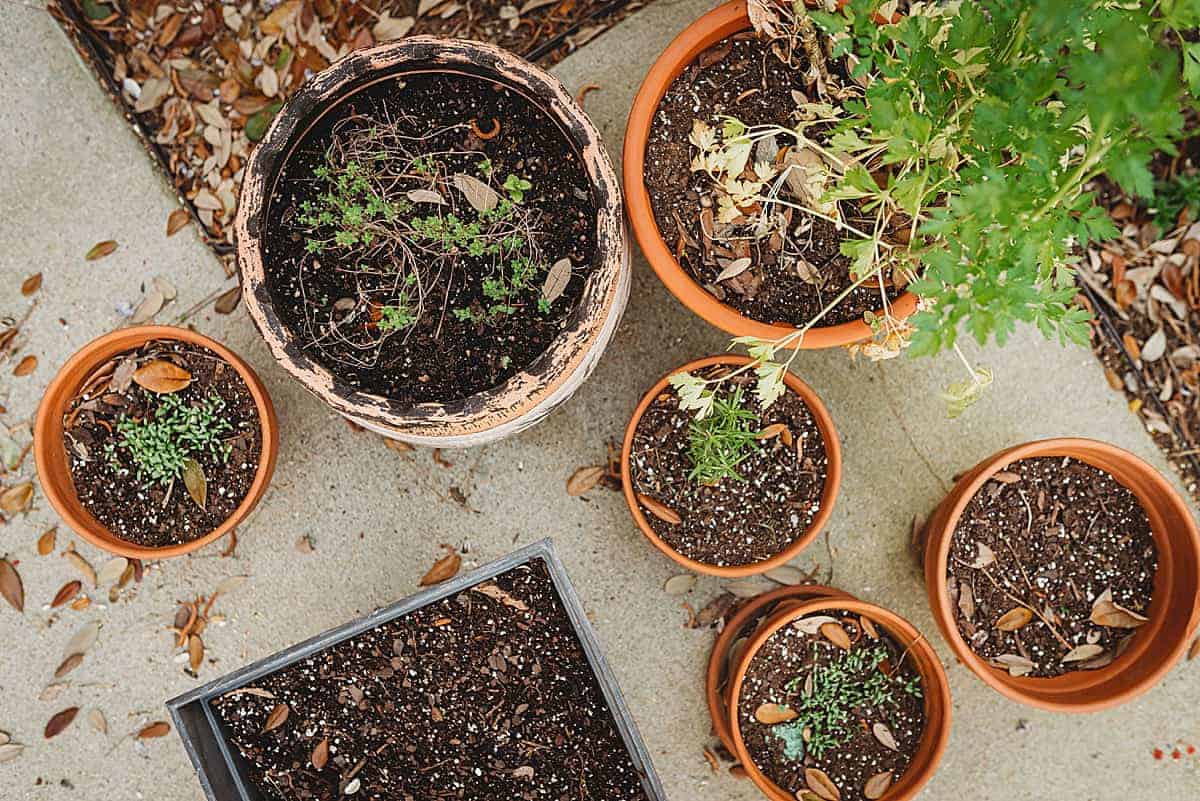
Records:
x=1172, y=196
x=956, y=158
x=830, y=699
x=175, y=432
x=722, y=439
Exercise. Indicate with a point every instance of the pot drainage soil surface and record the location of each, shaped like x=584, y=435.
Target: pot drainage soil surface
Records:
x=1051, y=568
x=163, y=443
x=485, y=694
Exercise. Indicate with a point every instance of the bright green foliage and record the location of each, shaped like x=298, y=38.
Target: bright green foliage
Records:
x=516, y=186
x=840, y=693
x=722, y=440
x=398, y=316
x=350, y=208
x=175, y=432
x=1172, y=196
x=994, y=114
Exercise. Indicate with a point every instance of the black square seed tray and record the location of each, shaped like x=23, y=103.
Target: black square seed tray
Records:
x=221, y=769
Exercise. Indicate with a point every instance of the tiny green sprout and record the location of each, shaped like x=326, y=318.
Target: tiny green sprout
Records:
x=516, y=186
x=170, y=435
x=543, y=306
x=485, y=167
x=722, y=440
x=397, y=316
x=505, y=361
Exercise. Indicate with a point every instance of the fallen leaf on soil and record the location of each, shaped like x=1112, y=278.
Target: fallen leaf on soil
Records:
x=83, y=640
x=1014, y=619
x=1081, y=652
x=1106, y=612
x=771, y=714
x=195, y=652
x=986, y=556
x=734, y=269
x=877, y=785
x=111, y=571
x=10, y=751
x=836, y=635
x=1155, y=346
x=320, y=754
x=663, y=513
x=787, y=574
x=821, y=784
x=714, y=610
x=255, y=691
x=748, y=587
x=444, y=568
x=11, y=587
x=157, y=729
x=388, y=28
x=101, y=249
x=679, y=585
x=584, y=479
x=66, y=593
x=96, y=718
x=196, y=482
x=70, y=663
x=426, y=196
x=228, y=300
x=1016, y=665
x=177, y=221
x=495, y=592
x=884, y=735
x=162, y=377
x=481, y=196
x=17, y=498
x=868, y=627
x=277, y=718
x=51, y=691
x=26, y=366
x=31, y=284
x=523, y=772
x=82, y=565
x=556, y=280
x=60, y=722
x=811, y=625
x=45, y=543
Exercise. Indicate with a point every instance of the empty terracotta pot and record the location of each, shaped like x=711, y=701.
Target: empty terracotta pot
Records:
x=555, y=375
x=833, y=479
x=50, y=453
x=721, y=22
x=935, y=692
x=1174, y=612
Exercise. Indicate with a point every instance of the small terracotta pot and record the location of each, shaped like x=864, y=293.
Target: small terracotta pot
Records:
x=1174, y=611
x=833, y=478
x=753, y=614
x=50, y=452
x=935, y=692
x=721, y=22
x=552, y=377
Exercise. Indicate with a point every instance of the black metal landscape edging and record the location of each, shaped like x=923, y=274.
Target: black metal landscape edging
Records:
x=220, y=767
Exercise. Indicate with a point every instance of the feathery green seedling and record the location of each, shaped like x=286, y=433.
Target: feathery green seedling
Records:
x=173, y=433
x=722, y=440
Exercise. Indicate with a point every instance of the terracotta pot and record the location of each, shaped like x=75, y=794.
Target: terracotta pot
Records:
x=50, y=453
x=711, y=28
x=554, y=376
x=1174, y=612
x=833, y=479
x=935, y=692
x=748, y=619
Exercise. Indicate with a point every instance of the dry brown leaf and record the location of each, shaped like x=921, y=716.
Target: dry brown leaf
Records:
x=877, y=785
x=884, y=735
x=584, y=479
x=162, y=377
x=82, y=565
x=320, y=754
x=17, y=498
x=101, y=249
x=31, y=284
x=96, y=718
x=771, y=714
x=481, y=196
x=388, y=29
x=11, y=587
x=821, y=784
x=1014, y=619
x=177, y=221
x=836, y=635
x=868, y=627
x=26, y=366
x=277, y=718
x=444, y=568
x=195, y=482
x=45, y=543
x=228, y=300
x=663, y=513
x=111, y=571
x=10, y=751
x=67, y=665
x=556, y=280
x=1016, y=665
x=66, y=593
x=60, y=722
x=787, y=575
x=82, y=641
x=495, y=592
x=157, y=729
x=1083, y=652
x=195, y=648
x=681, y=584
x=1106, y=612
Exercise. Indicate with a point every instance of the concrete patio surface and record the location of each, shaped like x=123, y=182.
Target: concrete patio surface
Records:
x=74, y=174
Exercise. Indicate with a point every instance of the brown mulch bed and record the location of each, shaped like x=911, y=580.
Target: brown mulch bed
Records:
x=200, y=80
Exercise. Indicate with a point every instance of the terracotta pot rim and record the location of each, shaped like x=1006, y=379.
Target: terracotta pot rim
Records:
x=1030, y=690
x=829, y=493
x=933, y=681
x=558, y=371
x=47, y=435
x=722, y=21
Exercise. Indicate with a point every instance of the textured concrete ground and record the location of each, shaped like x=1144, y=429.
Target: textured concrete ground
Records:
x=74, y=175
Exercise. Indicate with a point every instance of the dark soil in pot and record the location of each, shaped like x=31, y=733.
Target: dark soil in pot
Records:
x=429, y=237
x=742, y=77
x=831, y=700
x=739, y=519
x=480, y=696
x=1051, y=568
x=163, y=443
